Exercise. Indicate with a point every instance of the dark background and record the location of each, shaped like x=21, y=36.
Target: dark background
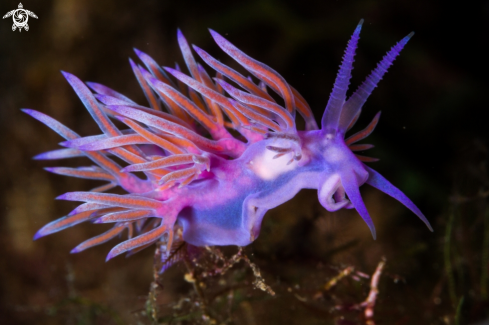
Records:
x=432, y=140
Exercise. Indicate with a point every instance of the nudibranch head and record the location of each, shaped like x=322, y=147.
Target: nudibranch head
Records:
x=346, y=171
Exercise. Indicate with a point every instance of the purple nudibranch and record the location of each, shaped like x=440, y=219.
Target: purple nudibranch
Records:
x=205, y=185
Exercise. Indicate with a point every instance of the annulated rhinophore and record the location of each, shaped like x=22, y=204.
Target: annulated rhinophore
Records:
x=217, y=152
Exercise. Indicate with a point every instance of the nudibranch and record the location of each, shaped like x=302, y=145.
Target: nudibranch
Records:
x=216, y=152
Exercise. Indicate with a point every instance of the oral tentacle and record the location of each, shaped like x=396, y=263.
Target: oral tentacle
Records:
x=351, y=186
x=379, y=182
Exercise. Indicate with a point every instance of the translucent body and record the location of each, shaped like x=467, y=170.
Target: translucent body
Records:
x=219, y=204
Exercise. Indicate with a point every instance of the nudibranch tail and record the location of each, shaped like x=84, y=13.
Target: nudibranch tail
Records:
x=211, y=153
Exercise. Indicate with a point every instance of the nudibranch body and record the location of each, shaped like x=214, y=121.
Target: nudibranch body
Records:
x=206, y=185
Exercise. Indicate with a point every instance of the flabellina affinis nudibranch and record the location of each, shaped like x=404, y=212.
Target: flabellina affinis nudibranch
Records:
x=217, y=152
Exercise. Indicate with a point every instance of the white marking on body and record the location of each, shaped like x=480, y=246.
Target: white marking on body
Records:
x=267, y=168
